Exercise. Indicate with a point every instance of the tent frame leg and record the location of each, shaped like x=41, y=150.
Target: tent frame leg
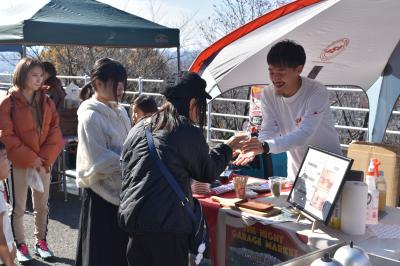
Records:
x=178, y=56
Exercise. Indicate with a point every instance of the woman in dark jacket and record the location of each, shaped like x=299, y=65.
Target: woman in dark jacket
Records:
x=53, y=85
x=150, y=211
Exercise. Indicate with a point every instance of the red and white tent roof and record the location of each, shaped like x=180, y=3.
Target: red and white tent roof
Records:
x=347, y=42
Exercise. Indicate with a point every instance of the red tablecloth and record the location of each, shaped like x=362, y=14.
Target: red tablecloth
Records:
x=211, y=209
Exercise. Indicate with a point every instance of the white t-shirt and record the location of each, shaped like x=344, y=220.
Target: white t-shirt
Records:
x=4, y=210
x=293, y=123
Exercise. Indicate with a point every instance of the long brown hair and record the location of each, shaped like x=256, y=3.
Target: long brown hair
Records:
x=22, y=69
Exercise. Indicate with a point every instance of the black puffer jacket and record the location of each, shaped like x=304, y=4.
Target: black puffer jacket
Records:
x=148, y=203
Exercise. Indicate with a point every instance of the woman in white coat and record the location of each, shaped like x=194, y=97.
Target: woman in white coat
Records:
x=102, y=128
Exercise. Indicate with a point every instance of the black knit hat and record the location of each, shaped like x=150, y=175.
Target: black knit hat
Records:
x=190, y=85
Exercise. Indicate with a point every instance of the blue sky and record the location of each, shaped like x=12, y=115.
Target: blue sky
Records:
x=172, y=13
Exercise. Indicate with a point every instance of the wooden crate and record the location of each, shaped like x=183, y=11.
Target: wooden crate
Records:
x=68, y=121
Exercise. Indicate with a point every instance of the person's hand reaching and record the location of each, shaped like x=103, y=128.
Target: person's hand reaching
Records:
x=249, y=150
x=236, y=143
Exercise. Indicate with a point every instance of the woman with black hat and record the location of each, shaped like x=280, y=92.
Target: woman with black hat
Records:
x=150, y=211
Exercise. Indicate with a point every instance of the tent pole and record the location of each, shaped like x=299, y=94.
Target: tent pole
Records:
x=91, y=57
x=23, y=54
x=178, y=55
x=140, y=85
x=209, y=121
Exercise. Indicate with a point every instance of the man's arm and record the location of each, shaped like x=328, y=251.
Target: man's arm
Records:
x=317, y=104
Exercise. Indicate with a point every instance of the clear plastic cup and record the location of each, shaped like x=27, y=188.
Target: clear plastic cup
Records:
x=275, y=185
x=240, y=186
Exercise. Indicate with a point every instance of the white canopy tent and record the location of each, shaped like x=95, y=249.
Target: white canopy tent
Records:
x=383, y=96
x=347, y=42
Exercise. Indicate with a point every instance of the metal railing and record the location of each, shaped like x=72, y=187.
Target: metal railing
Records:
x=340, y=127
x=140, y=81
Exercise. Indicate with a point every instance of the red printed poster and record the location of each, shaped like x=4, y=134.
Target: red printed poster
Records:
x=262, y=245
x=255, y=106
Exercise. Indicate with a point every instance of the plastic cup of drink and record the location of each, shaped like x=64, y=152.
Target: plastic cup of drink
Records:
x=275, y=185
x=240, y=186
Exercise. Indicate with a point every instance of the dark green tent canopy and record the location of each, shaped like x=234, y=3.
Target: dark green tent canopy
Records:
x=81, y=22
x=11, y=48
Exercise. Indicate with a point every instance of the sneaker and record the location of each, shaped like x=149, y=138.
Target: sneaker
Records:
x=42, y=250
x=23, y=255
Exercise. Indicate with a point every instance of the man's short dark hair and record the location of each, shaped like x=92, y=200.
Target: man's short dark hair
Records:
x=146, y=103
x=2, y=146
x=286, y=53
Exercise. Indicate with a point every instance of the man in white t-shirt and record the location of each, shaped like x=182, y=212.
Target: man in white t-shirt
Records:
x=7, y=247
x=295, y=109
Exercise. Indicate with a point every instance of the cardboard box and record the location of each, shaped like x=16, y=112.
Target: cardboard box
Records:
x=389, y=155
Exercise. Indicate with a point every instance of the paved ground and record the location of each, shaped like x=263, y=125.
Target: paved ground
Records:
x=63, y=229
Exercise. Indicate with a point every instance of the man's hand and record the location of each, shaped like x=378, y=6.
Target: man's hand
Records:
x=236, y=143
x=253, y=145
x=244, y=158
x=249, y=150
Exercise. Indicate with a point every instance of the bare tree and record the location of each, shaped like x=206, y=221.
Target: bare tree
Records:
x=350, y=118
x=231, y=14
x=228, y=15
x=74, y=61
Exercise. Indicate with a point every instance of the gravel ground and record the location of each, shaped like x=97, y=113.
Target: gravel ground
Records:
x=62, y=229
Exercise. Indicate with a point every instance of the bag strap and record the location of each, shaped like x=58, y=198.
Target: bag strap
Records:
x=167, y=175
x=12, y=105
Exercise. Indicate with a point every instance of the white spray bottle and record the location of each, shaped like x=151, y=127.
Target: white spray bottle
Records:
x=373, y=193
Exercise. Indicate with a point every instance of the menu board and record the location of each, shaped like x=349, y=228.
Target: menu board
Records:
x=318, y=183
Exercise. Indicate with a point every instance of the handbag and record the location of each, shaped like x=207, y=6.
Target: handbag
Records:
x=199, y=236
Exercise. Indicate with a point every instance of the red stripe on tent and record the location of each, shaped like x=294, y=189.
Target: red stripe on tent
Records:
x=247, y=28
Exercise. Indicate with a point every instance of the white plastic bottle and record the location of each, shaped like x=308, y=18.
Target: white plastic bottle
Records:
x=373, y=195
x=381, y=186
